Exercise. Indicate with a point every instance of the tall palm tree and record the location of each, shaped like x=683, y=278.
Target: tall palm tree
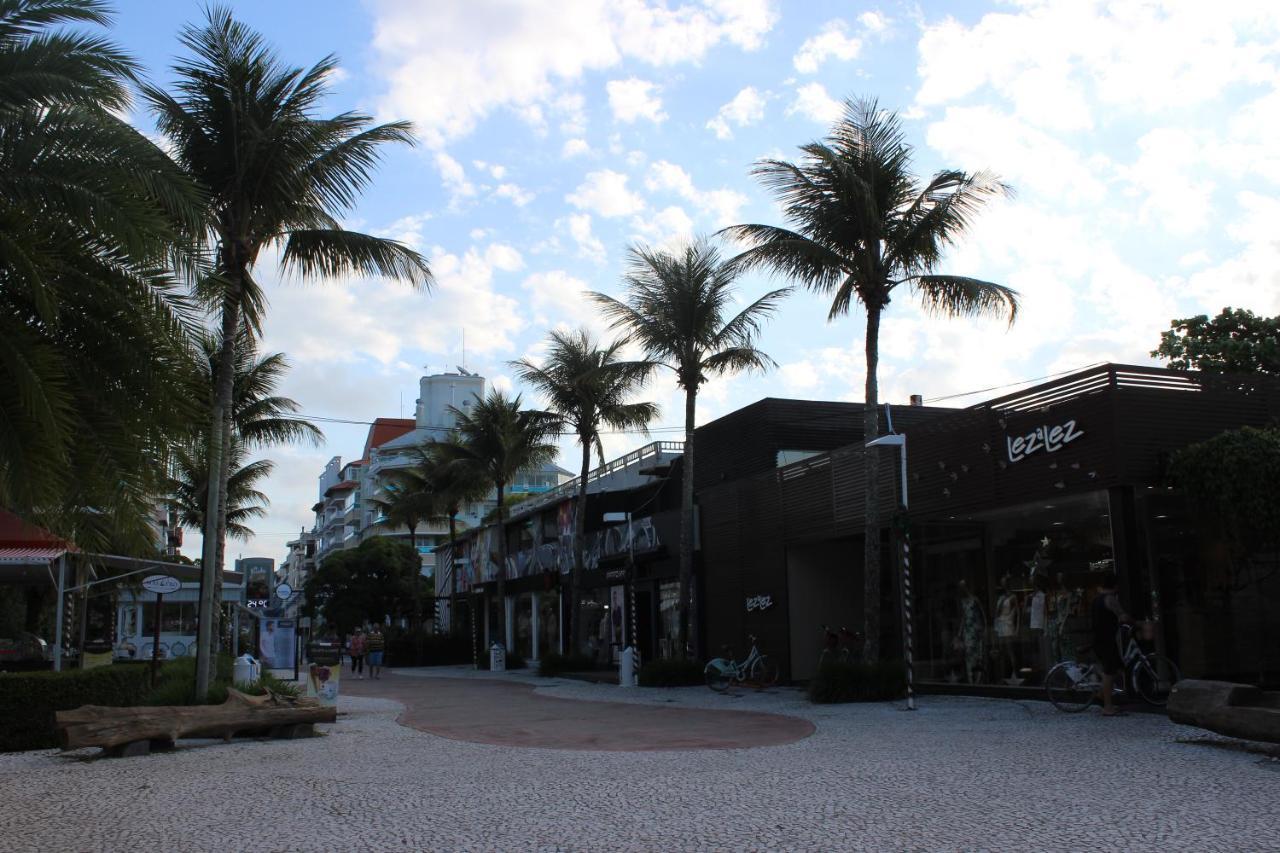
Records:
x=92, y=333
x=244, y=126
x=455, y=487
x=588, y=386
x=189, y=489
x=408, y=500
x=677, y=309
x=495, y=439
x=863, y=226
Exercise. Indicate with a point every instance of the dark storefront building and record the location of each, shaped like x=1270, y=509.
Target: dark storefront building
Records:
x=1017, y=508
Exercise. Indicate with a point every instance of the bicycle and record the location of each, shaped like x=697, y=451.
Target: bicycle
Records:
x=1074, y=686
x=840, y=648
x=756, y=670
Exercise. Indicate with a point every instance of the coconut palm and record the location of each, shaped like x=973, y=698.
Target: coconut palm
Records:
x=495, y=439
x=677, y=310
x=92, y=333
x=407, y=500
x=245, y=127
x=863, y=227
x=588, y=386
x=189, y=489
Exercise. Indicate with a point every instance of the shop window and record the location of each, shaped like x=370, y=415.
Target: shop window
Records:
x=596, y=631
x=175, y=618
x=524, y=625
x=549, y=622
x=669, y=619
x=1006, y=594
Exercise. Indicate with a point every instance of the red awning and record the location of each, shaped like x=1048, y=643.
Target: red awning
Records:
x=30, y=555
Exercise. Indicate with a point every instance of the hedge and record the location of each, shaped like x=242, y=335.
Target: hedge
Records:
x=673, y=672
x=551, y=664
x=436, y=650
x=837, y=681
x=28, y=700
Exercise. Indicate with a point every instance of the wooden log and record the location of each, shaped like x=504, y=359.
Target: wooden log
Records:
x=96, y=725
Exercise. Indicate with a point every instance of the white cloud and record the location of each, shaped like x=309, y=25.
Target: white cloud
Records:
x=813, y=102
x=574, y=148
x=408, y=230
x=579, y=227
x=633, y=99
x=746, y=108
x=517, y=194
x=605, y=193
x=559, y=299
x=831, y=42
x=454, y=177
x=666, y=228
x=720, y=206
x=447, y=66
x=873, y=21
x=503, y=257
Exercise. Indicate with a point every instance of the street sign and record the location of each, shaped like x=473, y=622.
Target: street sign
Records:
x=283, y=591
x=161, y=584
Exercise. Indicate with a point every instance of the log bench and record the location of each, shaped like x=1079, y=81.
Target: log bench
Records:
x=1236, y=710
x=136, y=731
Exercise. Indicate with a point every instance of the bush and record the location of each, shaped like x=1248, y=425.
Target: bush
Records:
x=552, y=664
x=28, y=700
x=437, y=649
x=671, y=672
x=838, y=681
x=176, y=685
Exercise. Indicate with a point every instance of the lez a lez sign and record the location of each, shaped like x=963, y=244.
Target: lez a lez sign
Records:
x=1047, y=438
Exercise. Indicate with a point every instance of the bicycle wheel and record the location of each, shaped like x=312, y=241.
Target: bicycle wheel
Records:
x=1153, y=676
x=717, y=675
x=764, y=672
x=1072, y=687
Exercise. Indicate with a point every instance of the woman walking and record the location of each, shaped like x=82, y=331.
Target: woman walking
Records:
x=356, y=647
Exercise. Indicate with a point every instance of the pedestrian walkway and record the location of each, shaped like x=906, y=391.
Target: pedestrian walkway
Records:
x=507, y=713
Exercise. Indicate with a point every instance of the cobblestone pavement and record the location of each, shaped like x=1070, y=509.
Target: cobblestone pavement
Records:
x=957, y=774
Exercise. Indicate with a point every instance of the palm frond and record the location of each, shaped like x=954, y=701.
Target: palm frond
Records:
x=957, y=296
x=334, y=252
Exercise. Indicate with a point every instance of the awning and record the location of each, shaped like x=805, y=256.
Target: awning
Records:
x=31, y=556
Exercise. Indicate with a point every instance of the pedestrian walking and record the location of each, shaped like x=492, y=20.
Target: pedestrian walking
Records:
x=374, y=646
x=356, y=648
x=1107, y=616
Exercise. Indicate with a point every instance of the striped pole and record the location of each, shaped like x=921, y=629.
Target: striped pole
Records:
x=907, y=644
x=631, y=548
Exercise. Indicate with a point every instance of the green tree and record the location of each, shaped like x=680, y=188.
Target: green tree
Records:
x=245, y=127
x=676, y=309
x=407, y=500
x=363, y=584
x=189, y=489
x=1235, y=341
x=862, y=227
x=588, y=386
x=92, y=331
x=494, y=440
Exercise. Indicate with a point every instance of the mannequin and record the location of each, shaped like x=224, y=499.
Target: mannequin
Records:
x=1037, y=621
x=973, y=624
x=1006, y=627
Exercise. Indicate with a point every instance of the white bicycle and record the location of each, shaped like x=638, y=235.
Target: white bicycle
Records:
x=1073, y=686
x=757, y=670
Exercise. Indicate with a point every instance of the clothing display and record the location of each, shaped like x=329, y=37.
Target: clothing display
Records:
x=973, y=624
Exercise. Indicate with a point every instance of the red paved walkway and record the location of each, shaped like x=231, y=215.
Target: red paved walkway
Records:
x=506, y=713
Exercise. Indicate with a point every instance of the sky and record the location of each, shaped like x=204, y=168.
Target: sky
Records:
x=1139, y=137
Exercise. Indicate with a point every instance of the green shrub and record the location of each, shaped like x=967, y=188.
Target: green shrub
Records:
x=28, y=700
x=671, y=672
x=176, y=685
x=552, y=664
x=437, y=649
x=838, y=681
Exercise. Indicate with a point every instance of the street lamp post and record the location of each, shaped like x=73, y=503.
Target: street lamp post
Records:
x=900, y=441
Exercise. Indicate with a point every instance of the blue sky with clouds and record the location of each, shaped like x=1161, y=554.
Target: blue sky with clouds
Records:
x=1140, y=137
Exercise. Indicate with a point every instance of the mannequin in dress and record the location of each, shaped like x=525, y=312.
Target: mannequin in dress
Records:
x=1006, y=628
x=973, y=623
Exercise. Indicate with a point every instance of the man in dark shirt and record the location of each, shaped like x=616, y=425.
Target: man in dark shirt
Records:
x=1107, y=616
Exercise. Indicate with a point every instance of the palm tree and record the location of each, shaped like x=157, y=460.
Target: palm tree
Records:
x=189, y=489
x=677, y=309
x=588, y=386
x=454, y=487
x=495, y=439
x=862, y=226
x=91, y=334
x=244, y=127
x=408, y=500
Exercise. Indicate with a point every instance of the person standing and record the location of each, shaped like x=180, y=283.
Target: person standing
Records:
x=1107, y=616
x=374, y=647
x=356, y=648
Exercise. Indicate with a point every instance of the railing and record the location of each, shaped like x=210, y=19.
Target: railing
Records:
x=1092, y=381
x=570, y=487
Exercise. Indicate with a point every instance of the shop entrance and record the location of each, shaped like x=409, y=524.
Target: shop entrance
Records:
x=824, y=587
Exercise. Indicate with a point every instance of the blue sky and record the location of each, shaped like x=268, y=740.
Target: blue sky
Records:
x=1139, y=136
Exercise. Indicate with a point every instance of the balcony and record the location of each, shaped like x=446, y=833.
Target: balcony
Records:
x=622, y=473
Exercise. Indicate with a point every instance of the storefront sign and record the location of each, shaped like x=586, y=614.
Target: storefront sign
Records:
x=759, y=602
x=161, y=584
x=1047, y=438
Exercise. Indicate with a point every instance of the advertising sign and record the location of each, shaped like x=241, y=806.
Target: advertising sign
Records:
x=322, y=682
x=275, y=642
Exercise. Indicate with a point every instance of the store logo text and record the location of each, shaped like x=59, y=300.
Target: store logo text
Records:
x=1045, y=437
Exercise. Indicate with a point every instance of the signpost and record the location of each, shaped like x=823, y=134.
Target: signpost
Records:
x=284, y=592
x=159, y=584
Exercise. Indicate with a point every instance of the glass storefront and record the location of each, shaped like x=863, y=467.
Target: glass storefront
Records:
x=668, y=619
x=1004, y=595
x=548, y=623
x=524, y=625
x=596, y=630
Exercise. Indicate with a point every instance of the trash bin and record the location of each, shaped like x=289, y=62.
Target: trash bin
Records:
x=497, y=658
x=627, y=668
x=245, y=670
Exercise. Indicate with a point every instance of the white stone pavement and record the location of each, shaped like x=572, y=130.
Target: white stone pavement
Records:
x=960, y=773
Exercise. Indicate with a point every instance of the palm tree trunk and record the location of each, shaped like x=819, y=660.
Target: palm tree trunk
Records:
x=579, y=551
x=453, y=572
x=502, y=568
x=871, y=458
x=687, y=636
x=205, y=651
x=221, y=564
